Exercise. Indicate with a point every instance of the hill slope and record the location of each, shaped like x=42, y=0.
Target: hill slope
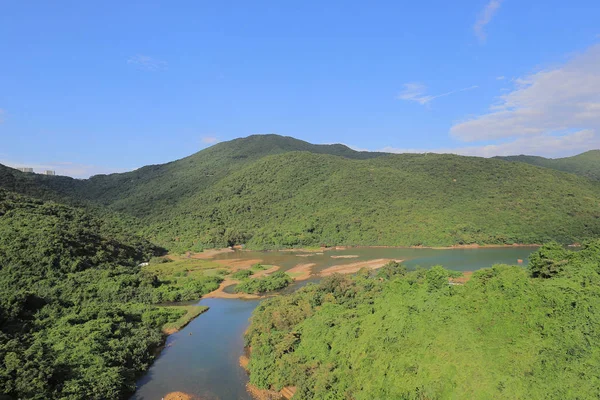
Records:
x=270, y=191
x=586, y=164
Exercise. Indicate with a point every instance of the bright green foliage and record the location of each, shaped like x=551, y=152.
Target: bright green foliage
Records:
x=273, y=192
x=503, y=335
x=76, y=320
x=275, y=281
x=586, y=164
x=242, y=274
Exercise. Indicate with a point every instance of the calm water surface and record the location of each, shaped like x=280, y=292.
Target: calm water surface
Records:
x=203, y=359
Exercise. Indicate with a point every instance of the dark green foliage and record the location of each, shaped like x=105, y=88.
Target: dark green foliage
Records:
x=548, y=261
x=391, y=270
x=76, y=319
x=503, y=335
x=276, y=281
x=586, y=164
x=274, y=192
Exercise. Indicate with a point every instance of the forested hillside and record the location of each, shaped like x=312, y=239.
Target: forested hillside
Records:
x=270, y=192
x=76, y=313
x=509, y=333
x=586, y=164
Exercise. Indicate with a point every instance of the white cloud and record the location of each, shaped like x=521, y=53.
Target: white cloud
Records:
x=542, y=145
x=500, y=78
x=416, y=92
x=557, y=100
x=74, y=170
x=485, y=17
x=146, y=62
x=210, y=140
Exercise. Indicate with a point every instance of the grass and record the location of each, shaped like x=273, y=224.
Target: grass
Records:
x=191, y=312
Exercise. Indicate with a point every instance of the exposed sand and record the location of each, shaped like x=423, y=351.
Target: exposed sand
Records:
x=265, y=272
x=301, y=272
x=355, y=267
x=179, y=396
x=309, y=255
x=347, y=256
x=461, y=280
x=221, y=294
x=244, y=360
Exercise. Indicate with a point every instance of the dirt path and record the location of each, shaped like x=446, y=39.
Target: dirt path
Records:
x=301, y=272
x=355, y=267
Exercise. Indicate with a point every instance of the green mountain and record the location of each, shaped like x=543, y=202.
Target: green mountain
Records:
x=586, y=164
x=269, y=191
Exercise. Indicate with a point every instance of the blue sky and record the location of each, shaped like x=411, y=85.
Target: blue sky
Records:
x=91, y=87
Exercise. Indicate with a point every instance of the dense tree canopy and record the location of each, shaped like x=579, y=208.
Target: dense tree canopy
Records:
x=76, y=313
x=508, y=333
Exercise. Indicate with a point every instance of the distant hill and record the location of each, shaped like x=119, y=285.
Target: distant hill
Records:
x=269, y=191
x=586, y=164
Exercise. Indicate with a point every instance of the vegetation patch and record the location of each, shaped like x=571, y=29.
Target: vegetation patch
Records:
x=508, y=332
x=188, y=314
x=276, y=281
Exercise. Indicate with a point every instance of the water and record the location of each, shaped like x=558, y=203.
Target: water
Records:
x=203, y=359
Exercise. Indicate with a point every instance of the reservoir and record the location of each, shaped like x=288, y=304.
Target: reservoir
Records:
x=203, y=358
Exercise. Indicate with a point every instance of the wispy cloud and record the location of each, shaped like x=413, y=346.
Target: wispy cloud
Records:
x=554, y=101
x=545, y=145
x=500, y=78
x=209, y=140
x=146, y=62
x=71, y=169
x=484, y=18
x=416, y=92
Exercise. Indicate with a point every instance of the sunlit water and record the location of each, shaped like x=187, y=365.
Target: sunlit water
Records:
x=203, y=359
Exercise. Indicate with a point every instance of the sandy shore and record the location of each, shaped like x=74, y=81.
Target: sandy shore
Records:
x=346, y=256
x=355, y=267
x=301, y=272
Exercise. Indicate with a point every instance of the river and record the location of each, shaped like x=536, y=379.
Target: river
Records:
x=203, y=358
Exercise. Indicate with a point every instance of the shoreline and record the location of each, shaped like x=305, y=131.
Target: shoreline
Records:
x=349, y=247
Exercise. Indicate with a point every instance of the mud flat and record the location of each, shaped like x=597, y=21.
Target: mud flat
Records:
x=355, y=267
